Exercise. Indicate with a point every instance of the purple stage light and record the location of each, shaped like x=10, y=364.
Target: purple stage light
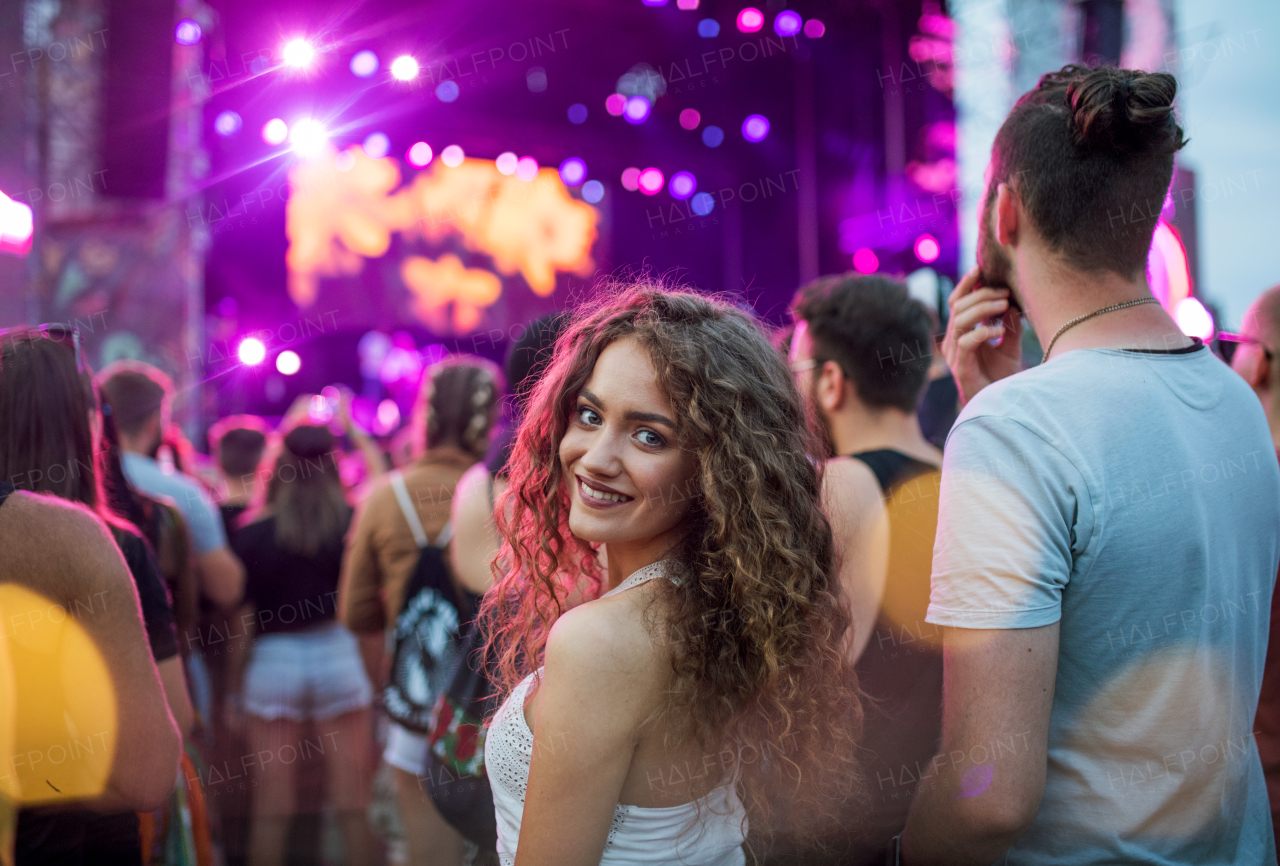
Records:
x=577, y=113
x=755, y=127
x=654, y=2
x=298, y=53
x=690, y=118
x=592, y=191
x=865, y=261
x=376, y=145
x=750, y=20
x=506, y=163
x=813, y=28
x=708, y=28
x=452, y=156
x=419, y=155
x=308, y=138
x=703, y=203
x=683, y=184
x=787, y=23
x=388, y=416
x=713, y=136
x=573, y=171
x=447, y=91
x=927, y=248
x=615, y=104
x=526, y=168
x=187, y=32
x=251, y=351
x=404, y=68
x=227, y=123
x=275, y=131
x=288, y=362
x=637, y=109
x=364, y=63
x=17, y=226
x=687, y=5
x=536, y=79
x=1193, y=319
x=631, y=179
x=651, y=181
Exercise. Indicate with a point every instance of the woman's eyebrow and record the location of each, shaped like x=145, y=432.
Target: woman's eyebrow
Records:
x=647, y=417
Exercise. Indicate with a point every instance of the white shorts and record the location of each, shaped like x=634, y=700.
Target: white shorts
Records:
x=312, y=674
x=406, y=750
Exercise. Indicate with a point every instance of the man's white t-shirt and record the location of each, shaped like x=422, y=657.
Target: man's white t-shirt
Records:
x=1135, y=497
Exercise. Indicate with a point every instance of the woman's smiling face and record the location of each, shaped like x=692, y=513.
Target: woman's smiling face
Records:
x=630, y=481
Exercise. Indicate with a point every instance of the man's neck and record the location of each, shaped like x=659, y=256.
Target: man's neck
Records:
x=237, y=491
x=856, y=428
x=1054, y=294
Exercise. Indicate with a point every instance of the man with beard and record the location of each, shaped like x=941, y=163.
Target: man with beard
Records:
x=1106, y=544
x=861, y=351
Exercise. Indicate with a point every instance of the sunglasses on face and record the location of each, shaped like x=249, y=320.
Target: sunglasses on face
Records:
x=1229, y=342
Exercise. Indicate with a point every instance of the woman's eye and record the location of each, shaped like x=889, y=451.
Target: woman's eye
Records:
x=648, y=437
x=588, y=416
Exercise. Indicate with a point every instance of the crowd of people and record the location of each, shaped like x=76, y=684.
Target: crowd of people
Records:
x=694, y=591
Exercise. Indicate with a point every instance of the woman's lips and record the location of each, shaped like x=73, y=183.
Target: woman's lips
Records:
x=598, y=496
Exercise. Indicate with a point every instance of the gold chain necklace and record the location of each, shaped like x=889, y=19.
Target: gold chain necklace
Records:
x=1078, y=319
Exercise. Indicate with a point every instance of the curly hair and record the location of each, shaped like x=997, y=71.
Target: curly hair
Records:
x=756, y=627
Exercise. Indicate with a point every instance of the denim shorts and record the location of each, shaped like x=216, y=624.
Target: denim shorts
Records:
x=302, y=675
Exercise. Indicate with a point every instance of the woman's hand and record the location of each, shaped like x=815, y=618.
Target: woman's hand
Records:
x=974, y=362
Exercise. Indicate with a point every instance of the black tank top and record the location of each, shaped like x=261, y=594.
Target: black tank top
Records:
x=5, y=489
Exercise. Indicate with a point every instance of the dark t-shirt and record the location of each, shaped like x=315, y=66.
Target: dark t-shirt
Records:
x=230, y=513
x=290, y=591
x=157, y=607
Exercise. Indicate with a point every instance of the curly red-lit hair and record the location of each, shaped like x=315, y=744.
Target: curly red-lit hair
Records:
x=756, y=628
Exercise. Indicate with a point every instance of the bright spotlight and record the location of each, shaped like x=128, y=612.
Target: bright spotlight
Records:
x=298, y=53
x=308, y=138
x=227, y=123
x=288, y=362
x=364, y=63
x=506, y=163
x=404, y=68
x=452, y=156
x=755, y=127
x=651, y=181
x=636, y=109
x=787, y=23
x=187, y=32
x=419, y=155
x=573, y=171
x=275, y=131
x=1193, y=319
x=376, y=145
x=251, y=351
x=927, y=249
x=683, y=184
x=527, y=168
x=16, y=226
x=750, y=20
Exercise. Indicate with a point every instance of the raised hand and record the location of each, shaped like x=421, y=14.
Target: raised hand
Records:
x=974, y=362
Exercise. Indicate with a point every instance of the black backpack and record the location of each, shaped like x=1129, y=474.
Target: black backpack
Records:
x=426, y=632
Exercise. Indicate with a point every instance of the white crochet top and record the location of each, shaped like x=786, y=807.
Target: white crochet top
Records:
x=707, y=833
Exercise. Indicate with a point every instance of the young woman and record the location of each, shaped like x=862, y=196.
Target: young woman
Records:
x=703, y=676
x=304, y=667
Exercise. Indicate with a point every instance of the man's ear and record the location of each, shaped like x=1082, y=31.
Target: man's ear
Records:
x=1261, y=378
x=831, y=385
x=1008, y=210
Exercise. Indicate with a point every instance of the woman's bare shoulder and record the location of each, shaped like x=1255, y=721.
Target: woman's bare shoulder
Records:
x=609, y=637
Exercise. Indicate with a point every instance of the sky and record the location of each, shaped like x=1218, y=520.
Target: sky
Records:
x=1229, y=59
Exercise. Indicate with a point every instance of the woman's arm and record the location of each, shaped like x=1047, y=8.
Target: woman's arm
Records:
x=601, y=682
x=854, y=505
x=475, y=535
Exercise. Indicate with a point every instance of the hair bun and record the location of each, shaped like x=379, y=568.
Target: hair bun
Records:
x=1125, y=110
x=309, y=441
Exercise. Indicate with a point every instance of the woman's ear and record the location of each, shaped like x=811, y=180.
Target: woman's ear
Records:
x=831, y=384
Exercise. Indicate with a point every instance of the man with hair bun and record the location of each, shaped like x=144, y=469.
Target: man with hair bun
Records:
x=1106, y=544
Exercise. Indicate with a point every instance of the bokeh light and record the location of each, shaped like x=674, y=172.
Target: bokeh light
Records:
x=288, y=362
x=787, y=23
x=615, y=104
x=750, y=20
x=683, y=184
x=687, y=5
x=308, y=137
x=654, y=2
x=17, y=226
x=376, y=145
x=187, y=32
x=813, y=28
x=251, y=351
x=1193, y=319
x=275, y=131
x=708, y=28
x=577, y=113
x=447, y=91
x=690, y=118
x=344, y=161
x=927, y=248
x=631, y=179
x=703, y=203
x=755, y=127
x=227, y=123
x=388, y=416
x=651, y=181
x=592, y=191
x=637, y=109
x=419, y=155
x=865, y=261
x=536, y=79
x=298, y=53
x=452, y=156
x=404, y=68
x=364, y=63
x=713, y=136
x=527, y=168
x=573, y=171
x=506, y=163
